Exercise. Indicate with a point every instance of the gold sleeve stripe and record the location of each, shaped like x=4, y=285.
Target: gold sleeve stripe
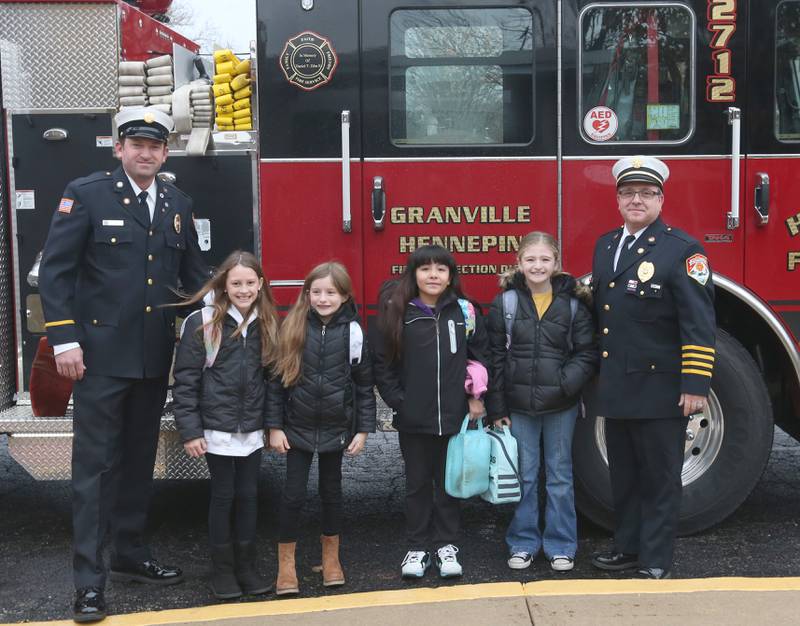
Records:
x=697, y=364
x=59, y=323
x=695, y=355
x=699, y=372
x=699, y=349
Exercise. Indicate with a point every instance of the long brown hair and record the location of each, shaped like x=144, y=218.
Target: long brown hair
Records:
x=264, y=303
x=392, y=311
x=293, y=330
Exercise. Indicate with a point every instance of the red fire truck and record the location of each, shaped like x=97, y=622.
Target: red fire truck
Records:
x=385, y=125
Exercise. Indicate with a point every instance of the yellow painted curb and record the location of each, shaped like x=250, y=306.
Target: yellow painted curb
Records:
x=455, y=593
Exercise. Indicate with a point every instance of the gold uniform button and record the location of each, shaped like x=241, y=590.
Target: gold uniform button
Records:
x=94, y=322
x=149, y=257
x=611, y=284
x=151, y=233
x=113, y=240
x=605, y=331
x=606, y=307
x=605, y=354
x=148, y=308
x=641, y=293
x=652, y=367
x=149, y=281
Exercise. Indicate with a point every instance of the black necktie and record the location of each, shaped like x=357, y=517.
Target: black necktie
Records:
x=143, y=204
x=626, y=251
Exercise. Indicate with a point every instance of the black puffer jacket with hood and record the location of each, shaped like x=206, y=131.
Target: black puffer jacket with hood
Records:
x=538, y=373
x=426, y=388
x=334, y=398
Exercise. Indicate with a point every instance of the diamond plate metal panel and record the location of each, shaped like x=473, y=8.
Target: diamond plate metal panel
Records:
x=7, y=345
x=59, y=56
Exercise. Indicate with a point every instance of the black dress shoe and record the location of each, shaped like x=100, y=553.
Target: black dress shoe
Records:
x=90, y=605
x=615, y=561
x=653, y=573
x=149, y=572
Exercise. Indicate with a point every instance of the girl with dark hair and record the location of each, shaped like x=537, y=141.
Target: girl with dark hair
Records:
x=323, y=404
x=218, y=402
x=427, y=332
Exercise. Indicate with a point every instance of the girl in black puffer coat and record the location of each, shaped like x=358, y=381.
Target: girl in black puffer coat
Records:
x=538, y=373
x=323, y=403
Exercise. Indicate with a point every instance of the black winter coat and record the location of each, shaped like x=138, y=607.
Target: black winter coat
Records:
x=334, y=398
x=538, y=374
x=426, y=388
x=230, y=395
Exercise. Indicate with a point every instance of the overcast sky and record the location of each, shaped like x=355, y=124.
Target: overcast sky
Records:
x=223, y=22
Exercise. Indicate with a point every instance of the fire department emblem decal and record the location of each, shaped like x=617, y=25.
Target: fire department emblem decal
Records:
x=308, y=60
x=697, y=268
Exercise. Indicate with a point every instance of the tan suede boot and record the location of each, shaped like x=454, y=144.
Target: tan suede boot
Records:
x=287, y=575
x=332, y=574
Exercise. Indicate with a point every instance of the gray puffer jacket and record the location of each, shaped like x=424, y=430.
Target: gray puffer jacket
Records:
x=334, y=398
x=229, y=396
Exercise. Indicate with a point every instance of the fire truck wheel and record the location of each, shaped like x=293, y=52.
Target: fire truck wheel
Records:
x=727, y=447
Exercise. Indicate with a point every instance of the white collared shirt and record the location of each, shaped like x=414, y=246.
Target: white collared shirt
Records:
x=235, y=444
x=625, y=233
x=152, y=190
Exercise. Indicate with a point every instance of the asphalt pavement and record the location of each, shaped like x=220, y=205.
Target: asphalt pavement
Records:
x=760, y=540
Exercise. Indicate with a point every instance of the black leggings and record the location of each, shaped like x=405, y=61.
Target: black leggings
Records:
x=298, y=464
x=234, y=489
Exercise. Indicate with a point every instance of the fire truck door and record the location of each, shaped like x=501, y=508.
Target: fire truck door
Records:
x=47, y=151
x=772, y=187
x=656, y=79
x=459, y=133
x=310, y=118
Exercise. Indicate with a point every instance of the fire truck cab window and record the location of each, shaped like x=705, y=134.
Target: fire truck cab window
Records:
x=635, y=80
x=462, y=76
x=787, y=72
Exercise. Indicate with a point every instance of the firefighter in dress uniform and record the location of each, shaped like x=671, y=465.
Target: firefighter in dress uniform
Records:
x=118, y=244
x=654, y=303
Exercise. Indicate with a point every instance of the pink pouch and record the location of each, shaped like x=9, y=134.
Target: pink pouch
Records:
x=477, y=380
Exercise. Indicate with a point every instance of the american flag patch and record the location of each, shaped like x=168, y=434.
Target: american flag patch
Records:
x=65, y=206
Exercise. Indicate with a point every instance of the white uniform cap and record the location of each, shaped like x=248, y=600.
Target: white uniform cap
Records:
x=145, y=122
x=640, y=169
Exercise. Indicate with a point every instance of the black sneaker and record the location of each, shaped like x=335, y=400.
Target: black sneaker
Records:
x=615, y=561
x=90, y=605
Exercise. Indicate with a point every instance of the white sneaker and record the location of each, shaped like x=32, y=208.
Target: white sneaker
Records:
x=520, y=560
x=562, y=563
x=416, y=563
x=447, y=561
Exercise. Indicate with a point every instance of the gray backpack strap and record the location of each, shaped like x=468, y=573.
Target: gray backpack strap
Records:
x=573, y=309
x=509, y=312
x=356, y=342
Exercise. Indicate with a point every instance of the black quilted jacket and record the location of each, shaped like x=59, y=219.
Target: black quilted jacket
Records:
x=333, y=399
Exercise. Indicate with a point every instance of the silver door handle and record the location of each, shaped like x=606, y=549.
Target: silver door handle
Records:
x=347, y=222
x=735, y=122
x=761, y=198
x=378, y=203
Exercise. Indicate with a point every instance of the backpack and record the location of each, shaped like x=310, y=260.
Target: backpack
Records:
x=510, y=299
x=468, y=311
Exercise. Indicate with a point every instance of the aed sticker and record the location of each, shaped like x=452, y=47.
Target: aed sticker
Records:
x=663, y=117
x=203, y=228
x=26, y=199
x=103, y=141
x=600, y=124
x=308, y=60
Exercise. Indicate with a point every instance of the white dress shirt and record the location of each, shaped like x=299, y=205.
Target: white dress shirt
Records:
x=625, y=233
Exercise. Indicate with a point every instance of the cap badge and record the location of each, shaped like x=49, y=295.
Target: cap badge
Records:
x=176, y=223
x=149, y=118
x=637, y=163
x=645, y=271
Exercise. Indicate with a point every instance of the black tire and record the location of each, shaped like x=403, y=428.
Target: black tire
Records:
x=740, y=404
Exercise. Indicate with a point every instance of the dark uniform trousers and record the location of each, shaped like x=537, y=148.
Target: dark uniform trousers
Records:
x=655, y=314
x=116, y=425
x=645, y=458
x=106, y=273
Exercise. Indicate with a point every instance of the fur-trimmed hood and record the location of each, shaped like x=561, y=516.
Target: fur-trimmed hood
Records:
x=562, y=282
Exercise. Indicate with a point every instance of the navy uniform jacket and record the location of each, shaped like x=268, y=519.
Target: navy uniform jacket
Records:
x=105, y=271
x=656, y=321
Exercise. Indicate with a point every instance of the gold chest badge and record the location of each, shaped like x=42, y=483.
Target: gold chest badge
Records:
x=176, y=223
x=645, y=271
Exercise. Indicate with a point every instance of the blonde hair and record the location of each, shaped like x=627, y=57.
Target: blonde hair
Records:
x=292, y=338
x=537, y=237
x=264, y=303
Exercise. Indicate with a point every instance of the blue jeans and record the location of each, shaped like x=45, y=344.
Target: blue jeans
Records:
x=560, y=526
